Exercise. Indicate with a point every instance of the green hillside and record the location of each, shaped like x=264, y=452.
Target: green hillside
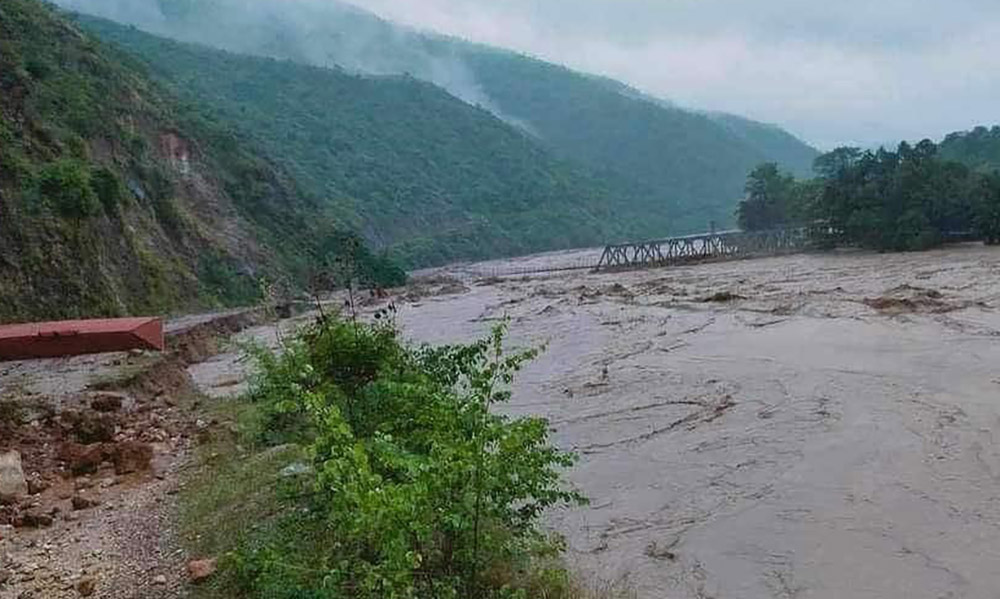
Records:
x=690, y=163
x=114, y=199
x=695, y=163
x=414, y=169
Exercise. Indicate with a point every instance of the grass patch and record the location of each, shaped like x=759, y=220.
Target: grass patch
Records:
x=234, y=495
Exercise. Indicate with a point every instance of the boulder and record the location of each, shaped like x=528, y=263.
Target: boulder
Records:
x=107, y=401
x=82, y=503
x=37, y=485
x=34, y=519
x=89, y=427
x=82, y=459
x=201, y=570
x=86, y=586
x=13, y=485
x=295, y=469
x=131, y=456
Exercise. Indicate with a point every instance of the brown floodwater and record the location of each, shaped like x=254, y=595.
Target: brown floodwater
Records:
x=828, y=426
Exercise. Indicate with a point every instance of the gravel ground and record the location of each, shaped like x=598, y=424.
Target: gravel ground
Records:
x=105, y=535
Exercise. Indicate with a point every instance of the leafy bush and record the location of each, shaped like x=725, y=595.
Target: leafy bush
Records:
x=109, y=189
x=421, y=489
x=65, y=184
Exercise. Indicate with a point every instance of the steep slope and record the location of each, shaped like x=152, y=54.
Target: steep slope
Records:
x=771, y=141
x=693, y=162
x=114, y=199
x=415, y=169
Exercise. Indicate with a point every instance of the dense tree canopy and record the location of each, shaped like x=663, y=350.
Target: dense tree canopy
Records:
x=912, y=198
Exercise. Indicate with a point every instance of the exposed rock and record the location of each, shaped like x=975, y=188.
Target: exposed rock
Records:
x=82, y=459
x=107, y=401
x=82, y=503
x=88, y=427
x=295, y=469
x=13, y=485
x=37, y=485
x=131, y=456
x=201, y=570
x=33, y=519
x=86, y=586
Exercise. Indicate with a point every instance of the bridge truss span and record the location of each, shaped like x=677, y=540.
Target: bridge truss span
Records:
x=708, y=246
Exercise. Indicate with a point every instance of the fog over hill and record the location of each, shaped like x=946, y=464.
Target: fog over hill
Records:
x=694, y=162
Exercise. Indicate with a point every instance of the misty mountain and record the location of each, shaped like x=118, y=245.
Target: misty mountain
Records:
x=693, y=162
x=417, y=171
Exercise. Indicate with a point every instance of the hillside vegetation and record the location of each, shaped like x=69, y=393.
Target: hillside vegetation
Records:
x=978, y=149
x=415, y=169
x=665, y=168
x=692, y=162
x=115, y=199
x=913, y=198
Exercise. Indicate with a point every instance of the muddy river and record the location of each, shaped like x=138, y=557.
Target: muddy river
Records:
x=803, y=426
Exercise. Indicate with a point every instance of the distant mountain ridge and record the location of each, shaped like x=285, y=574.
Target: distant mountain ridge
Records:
x=693, y=163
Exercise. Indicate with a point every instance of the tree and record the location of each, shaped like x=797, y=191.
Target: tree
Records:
x=988, y=209
x=832, y=164
x=769, y=199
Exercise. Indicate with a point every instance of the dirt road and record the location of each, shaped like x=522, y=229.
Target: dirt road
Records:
x=807, y=426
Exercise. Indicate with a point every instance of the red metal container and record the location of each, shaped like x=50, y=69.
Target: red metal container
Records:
x=78, y=337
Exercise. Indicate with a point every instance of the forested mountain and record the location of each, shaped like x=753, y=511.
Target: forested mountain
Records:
x=114, y=199
x=413, y=168
x=689, y=163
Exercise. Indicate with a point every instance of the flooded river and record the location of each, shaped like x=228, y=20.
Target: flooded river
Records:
x=819, y=426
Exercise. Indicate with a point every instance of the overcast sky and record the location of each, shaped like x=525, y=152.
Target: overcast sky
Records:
x=831, y=71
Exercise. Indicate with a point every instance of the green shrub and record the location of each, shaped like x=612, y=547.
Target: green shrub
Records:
x=108, y=188
x=65, y=185
x=37, y=67
x=421, y=489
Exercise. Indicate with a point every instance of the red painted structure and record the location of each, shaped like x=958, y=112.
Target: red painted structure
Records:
x=78, y=337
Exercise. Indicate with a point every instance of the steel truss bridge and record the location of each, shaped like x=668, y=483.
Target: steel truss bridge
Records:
x=706, y=246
